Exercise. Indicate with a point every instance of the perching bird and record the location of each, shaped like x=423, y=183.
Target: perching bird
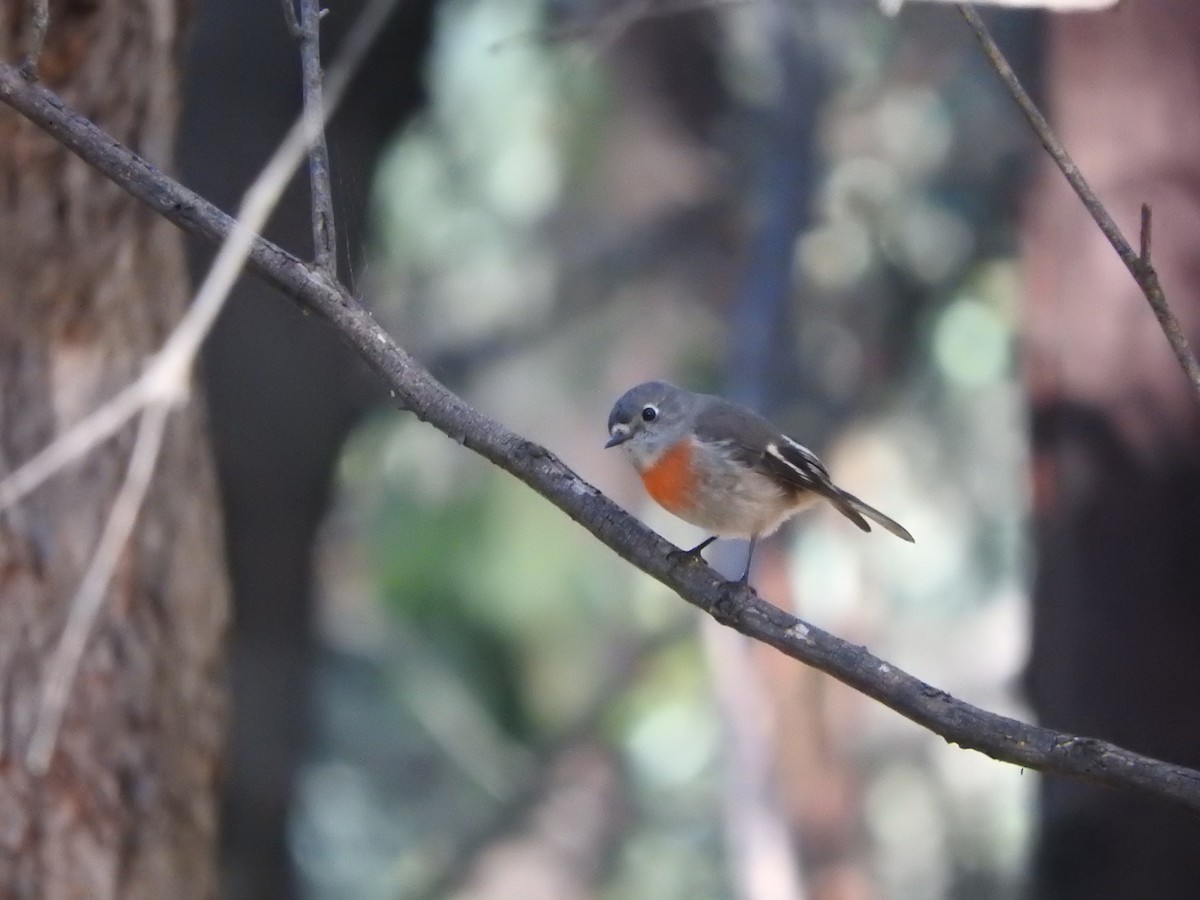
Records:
x=723, y=467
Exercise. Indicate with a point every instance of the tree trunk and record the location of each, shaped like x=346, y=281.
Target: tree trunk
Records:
x=1117, y=448
x=284, y=391
x=90, y=283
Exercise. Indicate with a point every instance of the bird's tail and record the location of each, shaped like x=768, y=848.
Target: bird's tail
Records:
x=876, y=516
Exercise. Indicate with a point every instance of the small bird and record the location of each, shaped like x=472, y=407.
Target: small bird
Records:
x=724, y=468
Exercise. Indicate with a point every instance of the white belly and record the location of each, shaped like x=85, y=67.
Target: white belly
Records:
x=733, y=501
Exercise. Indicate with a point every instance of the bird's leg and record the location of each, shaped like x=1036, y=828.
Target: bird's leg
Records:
x=695, y=551
x=749, y=556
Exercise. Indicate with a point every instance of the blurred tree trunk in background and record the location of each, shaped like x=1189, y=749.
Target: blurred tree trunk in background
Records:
x=283, y=391
x=90, y=284
x=1117, y=448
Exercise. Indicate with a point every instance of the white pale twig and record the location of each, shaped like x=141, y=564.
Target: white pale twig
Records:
x=89, y=599
x=38, y=12
x=162, y=385
x=88, y=433
x=165, y=377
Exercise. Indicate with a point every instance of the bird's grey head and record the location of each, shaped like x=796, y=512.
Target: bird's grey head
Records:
x=646, y=414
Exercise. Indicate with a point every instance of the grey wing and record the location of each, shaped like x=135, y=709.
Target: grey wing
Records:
x=743, y=432
x=792, y=459
x=798, y=465
x=760, y=444
x=801, y=458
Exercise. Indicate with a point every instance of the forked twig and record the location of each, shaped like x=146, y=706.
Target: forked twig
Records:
x=308, y=34
x=1139, y=265
x=165, y=375
x=163, y=383
x=39, y=23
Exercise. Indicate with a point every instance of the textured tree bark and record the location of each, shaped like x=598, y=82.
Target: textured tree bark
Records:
x=90, y=282
x=1117, y=447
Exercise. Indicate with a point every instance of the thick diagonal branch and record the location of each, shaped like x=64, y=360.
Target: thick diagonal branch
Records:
x=737, y=606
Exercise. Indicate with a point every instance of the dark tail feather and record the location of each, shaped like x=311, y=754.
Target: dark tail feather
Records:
x=875, y=516
x=847, y=506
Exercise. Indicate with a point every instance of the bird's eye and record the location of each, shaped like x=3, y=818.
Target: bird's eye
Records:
x=649, y=414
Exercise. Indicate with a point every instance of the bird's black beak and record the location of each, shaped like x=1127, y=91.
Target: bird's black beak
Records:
x=619, y=438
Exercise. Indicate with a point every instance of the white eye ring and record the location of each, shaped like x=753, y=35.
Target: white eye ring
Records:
x=649, y=412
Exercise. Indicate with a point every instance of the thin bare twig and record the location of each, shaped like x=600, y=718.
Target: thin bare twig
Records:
x=308, y=34
x=86, y=434
x=735, y=605
x=89, y=599
x=290, y=20
x=39, y=23
x=163, y=384
x=1139, y=266
x=165, y=376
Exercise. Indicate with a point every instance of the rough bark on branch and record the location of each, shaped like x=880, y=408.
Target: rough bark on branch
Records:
x=737, y=606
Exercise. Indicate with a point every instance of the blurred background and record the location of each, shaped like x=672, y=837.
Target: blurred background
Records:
x=443, y=688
